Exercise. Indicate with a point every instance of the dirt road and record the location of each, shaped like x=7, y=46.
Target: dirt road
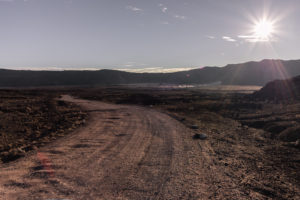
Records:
x=123, y=152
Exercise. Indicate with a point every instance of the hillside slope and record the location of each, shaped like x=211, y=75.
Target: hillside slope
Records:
x=288, y=89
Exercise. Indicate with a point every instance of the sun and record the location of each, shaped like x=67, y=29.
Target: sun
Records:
x=264, y=29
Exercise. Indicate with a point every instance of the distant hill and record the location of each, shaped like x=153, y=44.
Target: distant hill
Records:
x=288, y=89
x=250, y=73
x=259, y=73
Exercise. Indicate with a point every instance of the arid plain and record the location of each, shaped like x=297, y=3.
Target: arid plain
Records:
x=137, y=142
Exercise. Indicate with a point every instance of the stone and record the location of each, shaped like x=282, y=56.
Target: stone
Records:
x=194, y=126
x=200, y=136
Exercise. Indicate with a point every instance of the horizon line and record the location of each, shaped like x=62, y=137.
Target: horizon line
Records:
x=132, y=70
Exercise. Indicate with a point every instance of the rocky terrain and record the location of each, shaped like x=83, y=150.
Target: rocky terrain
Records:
x=279, y=118
x=250, y=149
x=255, y=140
x=30, y=119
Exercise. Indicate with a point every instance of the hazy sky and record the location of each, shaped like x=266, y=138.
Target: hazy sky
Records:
x=148, y=34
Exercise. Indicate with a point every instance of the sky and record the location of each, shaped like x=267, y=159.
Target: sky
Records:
x=145, y=35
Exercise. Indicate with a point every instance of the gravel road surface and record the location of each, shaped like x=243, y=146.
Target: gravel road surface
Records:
x=123, y=152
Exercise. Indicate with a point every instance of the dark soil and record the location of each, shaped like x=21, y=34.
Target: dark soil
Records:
x=32, y=118
x=255, y=140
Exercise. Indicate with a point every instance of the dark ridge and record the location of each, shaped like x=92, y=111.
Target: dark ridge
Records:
x=278, y=90
x=250, y=73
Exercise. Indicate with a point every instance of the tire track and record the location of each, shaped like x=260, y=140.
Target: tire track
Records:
x=123, y=152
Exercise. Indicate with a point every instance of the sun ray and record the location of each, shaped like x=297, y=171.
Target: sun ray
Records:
x=264, y=30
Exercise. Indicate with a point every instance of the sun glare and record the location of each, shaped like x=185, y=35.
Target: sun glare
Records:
x=264, y=29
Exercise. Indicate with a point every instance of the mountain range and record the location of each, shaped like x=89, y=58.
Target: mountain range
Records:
x=249, y=73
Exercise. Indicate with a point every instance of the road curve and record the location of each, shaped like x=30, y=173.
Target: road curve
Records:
x=123, y=152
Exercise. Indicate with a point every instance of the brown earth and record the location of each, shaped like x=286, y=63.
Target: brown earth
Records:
x=31, y=118
x=280, y=119
x=255, y=140
x=130, y=152
x=124, y=152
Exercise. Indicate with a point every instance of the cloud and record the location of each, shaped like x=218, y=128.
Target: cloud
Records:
x=164, y=9
x=210, y=37
x=128, y=65
x=133, y=8
x=165, y=23
x=228, y=39
x=179, y=17
x=137, y=67
x=156, y=69
x=132, y=64
x=254, y=38
x=248, y=38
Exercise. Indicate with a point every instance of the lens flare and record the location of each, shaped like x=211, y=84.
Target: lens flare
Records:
x=264, y=30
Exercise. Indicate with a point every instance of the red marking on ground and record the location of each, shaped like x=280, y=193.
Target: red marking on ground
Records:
x=46, y=163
